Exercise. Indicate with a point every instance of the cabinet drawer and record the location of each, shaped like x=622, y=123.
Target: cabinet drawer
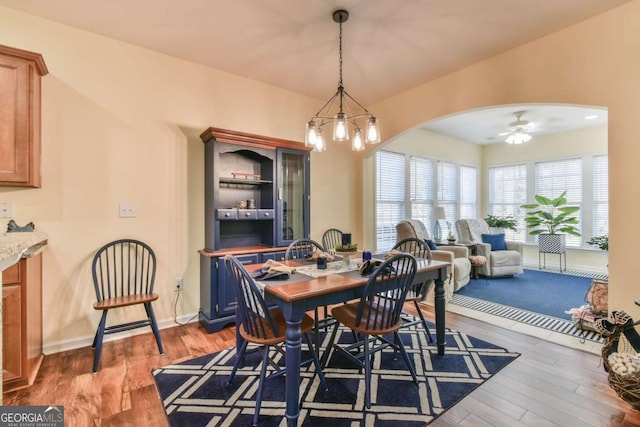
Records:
x=247, y=214
x=226, y=214
x=248, y=259
x=265, y=213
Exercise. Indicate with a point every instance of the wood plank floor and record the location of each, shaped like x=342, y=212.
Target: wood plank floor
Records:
x=549, y=385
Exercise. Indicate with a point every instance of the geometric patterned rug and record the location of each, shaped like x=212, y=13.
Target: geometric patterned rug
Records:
x=195, y=393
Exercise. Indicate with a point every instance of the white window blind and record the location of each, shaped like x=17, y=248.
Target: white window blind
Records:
x=552, y=178
x=422, y=179
x=390, y=197
x=468, y=193
x=507, y=192
x=600, y=195
x=448, y=194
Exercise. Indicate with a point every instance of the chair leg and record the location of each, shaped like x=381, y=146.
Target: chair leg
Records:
x=97, y=341
x=316, y=329
x=403, y=351
x=263, y=374
x=367, y=373
x=316, y=362
x=154, y=326
x=239, y=359
x=329, y=349
x=424, y=322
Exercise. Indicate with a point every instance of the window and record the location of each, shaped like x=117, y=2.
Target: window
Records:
x=507, y=192
x=600, y=195
x=390, y=197
x=553, y=178
x=422, y=189
x=411, y=191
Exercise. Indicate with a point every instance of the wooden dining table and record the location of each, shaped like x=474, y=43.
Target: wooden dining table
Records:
x=300, y=296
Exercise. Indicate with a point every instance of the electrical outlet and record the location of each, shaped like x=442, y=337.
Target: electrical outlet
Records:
x=177, y=284
x=6, y=210
x=127, y=210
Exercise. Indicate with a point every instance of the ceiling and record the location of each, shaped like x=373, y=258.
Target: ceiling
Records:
x=389, y=46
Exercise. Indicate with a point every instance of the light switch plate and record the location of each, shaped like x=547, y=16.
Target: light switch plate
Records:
x=127, y=210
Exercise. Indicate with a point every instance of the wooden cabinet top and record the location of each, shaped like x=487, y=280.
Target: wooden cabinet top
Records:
x=250, y=140
x=41, y=67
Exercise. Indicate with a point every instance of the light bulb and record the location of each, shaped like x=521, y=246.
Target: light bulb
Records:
x=340, y=127
x=358, y=142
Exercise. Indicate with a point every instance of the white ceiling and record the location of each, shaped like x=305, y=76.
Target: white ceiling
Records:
x=389, y=45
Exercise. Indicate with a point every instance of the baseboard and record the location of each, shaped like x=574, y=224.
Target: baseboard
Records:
x=86, y=341
x=554, y=268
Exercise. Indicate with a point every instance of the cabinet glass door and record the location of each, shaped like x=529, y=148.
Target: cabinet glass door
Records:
x=293, y=195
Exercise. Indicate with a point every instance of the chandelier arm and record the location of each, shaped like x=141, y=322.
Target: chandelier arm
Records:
x=356, y=102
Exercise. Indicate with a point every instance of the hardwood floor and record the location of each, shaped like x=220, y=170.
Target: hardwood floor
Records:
x=548, y=385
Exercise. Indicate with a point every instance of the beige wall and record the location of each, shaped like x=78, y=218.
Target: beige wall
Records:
x=587, y=64
x=120, y=124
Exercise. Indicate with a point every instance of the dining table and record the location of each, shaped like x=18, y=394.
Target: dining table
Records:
x=310, y=287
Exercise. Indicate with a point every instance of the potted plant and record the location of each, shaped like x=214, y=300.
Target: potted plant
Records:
x=504, y=222
x=601, y=242
x=551, y=220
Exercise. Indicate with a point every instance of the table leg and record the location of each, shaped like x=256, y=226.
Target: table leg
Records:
x=292, y=360
x=440, y=312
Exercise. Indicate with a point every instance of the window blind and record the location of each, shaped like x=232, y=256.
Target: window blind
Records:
x=390, y=197
x=448, y=194
x=422, y=179
x=600, y=195
x=507, y=192
x=552, y=178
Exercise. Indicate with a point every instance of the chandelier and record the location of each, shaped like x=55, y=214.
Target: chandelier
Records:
x=338, y=111
x=518, y=130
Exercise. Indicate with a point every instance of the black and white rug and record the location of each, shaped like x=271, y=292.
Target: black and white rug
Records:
x=195, y=392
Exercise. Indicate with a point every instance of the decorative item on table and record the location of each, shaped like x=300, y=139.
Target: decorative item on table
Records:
x=436, y=214
x=241, y=204
x=451, y=238
x=12, y=227
x=366, y=255
x=346, y=238
x=620, y=354
x=321, y=262
x=273, y=270
x=318, y=253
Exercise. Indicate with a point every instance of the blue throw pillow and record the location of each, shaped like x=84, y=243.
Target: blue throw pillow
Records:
x=431, y=245
x=496, y=241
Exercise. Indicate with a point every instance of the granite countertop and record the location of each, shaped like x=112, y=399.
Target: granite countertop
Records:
x=24, y=244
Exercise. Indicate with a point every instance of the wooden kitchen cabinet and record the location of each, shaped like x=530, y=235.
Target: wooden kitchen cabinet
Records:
x=20, y=151
x=21, y=322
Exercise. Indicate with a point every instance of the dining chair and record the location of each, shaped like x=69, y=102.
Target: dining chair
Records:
x=301, y=249
x=332, y=238
x=124, y=273
x=258, y=324
x=417, y=291
x=377, y=313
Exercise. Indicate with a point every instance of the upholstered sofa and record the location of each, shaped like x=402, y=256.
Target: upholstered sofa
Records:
x=458, y=256
x=499, y=262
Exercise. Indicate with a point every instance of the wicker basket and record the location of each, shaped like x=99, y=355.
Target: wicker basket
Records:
x=627, y=387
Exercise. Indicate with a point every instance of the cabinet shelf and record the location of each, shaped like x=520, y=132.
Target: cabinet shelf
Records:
x=242, y=181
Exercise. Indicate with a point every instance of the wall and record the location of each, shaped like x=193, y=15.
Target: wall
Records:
x=586, y=64
x=122, y=124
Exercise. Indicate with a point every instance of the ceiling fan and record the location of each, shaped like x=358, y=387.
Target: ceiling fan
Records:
x=519, y=130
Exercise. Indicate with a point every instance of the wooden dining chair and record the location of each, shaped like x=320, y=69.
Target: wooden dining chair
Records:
x=332, y=238
x=301, y=249
x=417, y=291
x=124, y=273
x=377, y=313
x=258, y=324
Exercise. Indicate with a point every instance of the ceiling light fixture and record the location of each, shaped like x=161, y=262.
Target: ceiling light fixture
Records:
x=517, y=134
x=345, y=115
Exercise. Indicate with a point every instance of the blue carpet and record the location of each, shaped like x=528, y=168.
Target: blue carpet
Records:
x=536, y=291
x=195, y=392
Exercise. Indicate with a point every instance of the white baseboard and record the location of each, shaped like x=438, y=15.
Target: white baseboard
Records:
x=86, y=341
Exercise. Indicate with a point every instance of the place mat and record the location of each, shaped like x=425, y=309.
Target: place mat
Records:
x=333, y=267
x=293, y=278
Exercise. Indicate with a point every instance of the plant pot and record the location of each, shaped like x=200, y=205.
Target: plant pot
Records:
x=552, y=243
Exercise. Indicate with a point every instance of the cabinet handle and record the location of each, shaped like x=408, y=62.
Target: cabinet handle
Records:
x=227, y=214
x=266, y=214
x=247, y=214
